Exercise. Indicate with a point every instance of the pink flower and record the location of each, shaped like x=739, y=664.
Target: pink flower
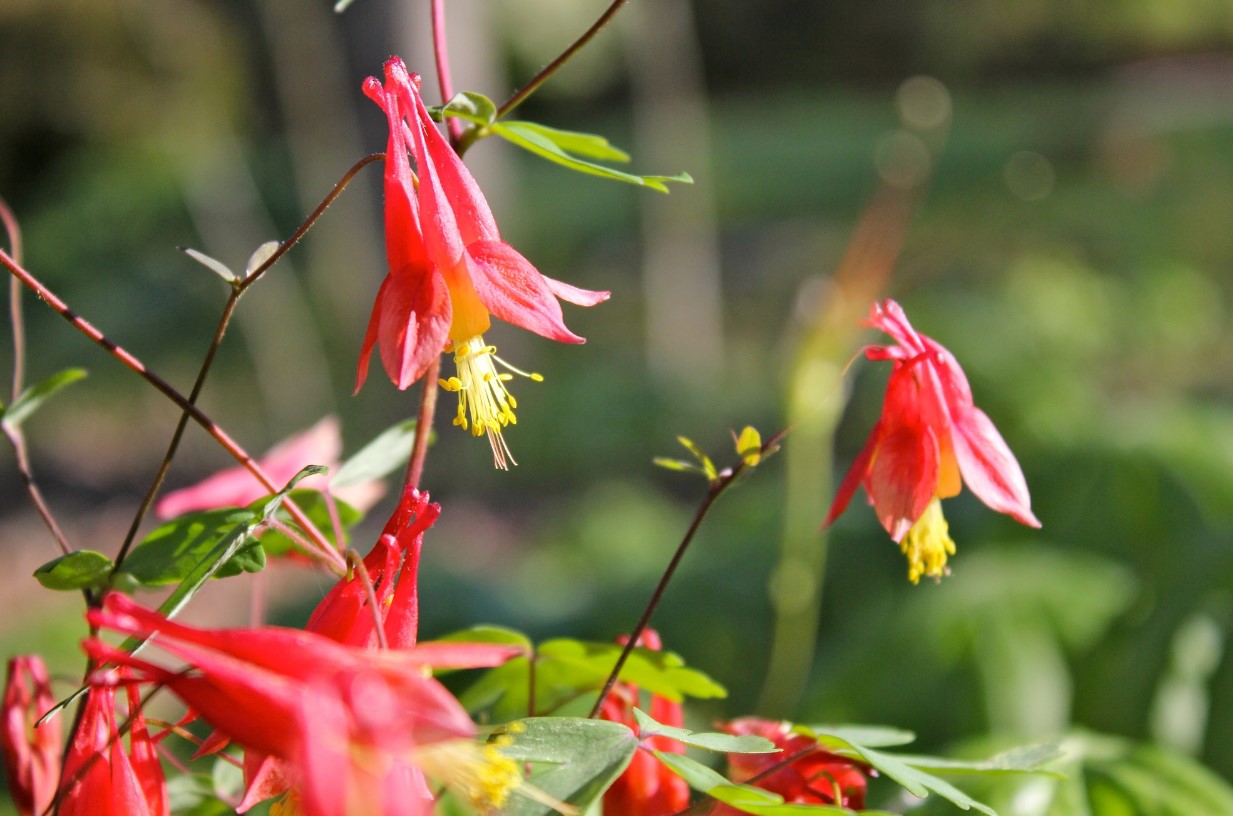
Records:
x=646, y=787
x=31, y=755
x=366, y=716
x=450, y=271
x=236, y=487
x=929, y=440
x=815, y=778
x=100, y=779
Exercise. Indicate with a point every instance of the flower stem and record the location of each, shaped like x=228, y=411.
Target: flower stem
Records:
x=440, y=52
x=539, y=79
x=423, y=426
x=13, y=432
x=717, y=487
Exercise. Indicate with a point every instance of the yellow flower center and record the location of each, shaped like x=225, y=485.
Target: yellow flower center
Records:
x=928, y=544
x=485, y=406
x=289, y=805
x=481, y=774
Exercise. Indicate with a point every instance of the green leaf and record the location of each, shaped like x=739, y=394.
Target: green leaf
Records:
x=571, y=759
x=29, y=400
x=550, y=144
x=474, y=107
x=677, y=464
x=487, y=633
x=749, y=446
x=708, y=467
x=260, y=255
x=84, y=569
x=380, y=457
x=588, y=145
x=175, y=549
x=872, y=736
x=566, y=670
x=1025, y=758
x=214, y=265
x=724, y=743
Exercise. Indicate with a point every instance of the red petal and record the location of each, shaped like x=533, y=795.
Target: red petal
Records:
x=514, y=290
x=990, y=469
x=574, y=295
x=904, y=477
x=855, y=475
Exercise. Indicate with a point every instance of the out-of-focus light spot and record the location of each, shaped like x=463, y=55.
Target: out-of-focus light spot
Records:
x=924, y=103
x=902, y=160
x=1029, y=175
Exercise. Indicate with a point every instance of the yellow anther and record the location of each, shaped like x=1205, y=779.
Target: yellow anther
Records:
x=928, y=544
x=484, y=403
x=536, y=377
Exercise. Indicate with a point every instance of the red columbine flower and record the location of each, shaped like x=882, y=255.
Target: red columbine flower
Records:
x=100, y=779
x=368, y=717
x=31, y=755
x=450, y=271
x=929, y=440
x=646, y=787
x=815, y=778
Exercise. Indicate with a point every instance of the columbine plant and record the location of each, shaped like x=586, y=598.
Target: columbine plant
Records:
x=345, y=716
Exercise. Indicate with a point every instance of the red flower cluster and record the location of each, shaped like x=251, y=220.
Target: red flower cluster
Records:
x=450, y=270
x=31, y=755
x=929, y=440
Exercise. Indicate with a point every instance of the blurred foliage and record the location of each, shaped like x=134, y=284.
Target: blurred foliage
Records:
x=1072, y=248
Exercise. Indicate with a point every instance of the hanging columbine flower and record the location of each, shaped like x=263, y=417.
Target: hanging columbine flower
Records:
x=450, y=271
x=31, y=754
x=930, y=439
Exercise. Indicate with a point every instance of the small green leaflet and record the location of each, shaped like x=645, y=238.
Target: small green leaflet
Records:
x=474, y=107
x=572, y=759
x=213, y=264
x=29, y=400
x=704, y=466
x=175, y=549
x=724, y=743
x=909, y=771
x=556, y=146
x=84, y=569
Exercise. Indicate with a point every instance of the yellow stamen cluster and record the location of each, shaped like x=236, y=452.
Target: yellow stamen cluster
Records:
x=479, y=773
x=928, y=544
x=289, y=805
x=485, y=406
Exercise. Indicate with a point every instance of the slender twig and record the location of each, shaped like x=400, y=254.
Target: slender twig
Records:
x=717, y=486
x=552, y=67
x=13, y=432
x=532, y=658
x=220, y=330
x=138, y=367
x=423, y=426
x=440, y=51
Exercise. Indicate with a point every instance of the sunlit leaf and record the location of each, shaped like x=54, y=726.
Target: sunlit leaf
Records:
x=749, y=446
x=260, y=255
x=708, y=467
x=541, y=141
x=571, y=759
x=316, y=507
x=175, y=549
x=83, y=569
x=474, y=107
x=724, y=743
x=216, y=266
x=29, y=400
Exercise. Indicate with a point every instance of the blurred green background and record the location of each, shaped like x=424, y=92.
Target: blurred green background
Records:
x=1060, y=177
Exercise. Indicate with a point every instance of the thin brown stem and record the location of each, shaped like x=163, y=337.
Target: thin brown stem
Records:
x=138, y=367
x=423, y=426
x=715, y=490
x=13, y=432
x=539, y=79
x=220, y=330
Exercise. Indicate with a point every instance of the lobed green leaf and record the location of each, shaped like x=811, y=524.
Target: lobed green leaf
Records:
x=571, y=758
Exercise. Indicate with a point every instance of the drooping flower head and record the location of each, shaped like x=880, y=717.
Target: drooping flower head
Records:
x=31, y=754
x=348, y=722
x=647, y=787
x=449, y=271
x=816, y=777
x=929, y=441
